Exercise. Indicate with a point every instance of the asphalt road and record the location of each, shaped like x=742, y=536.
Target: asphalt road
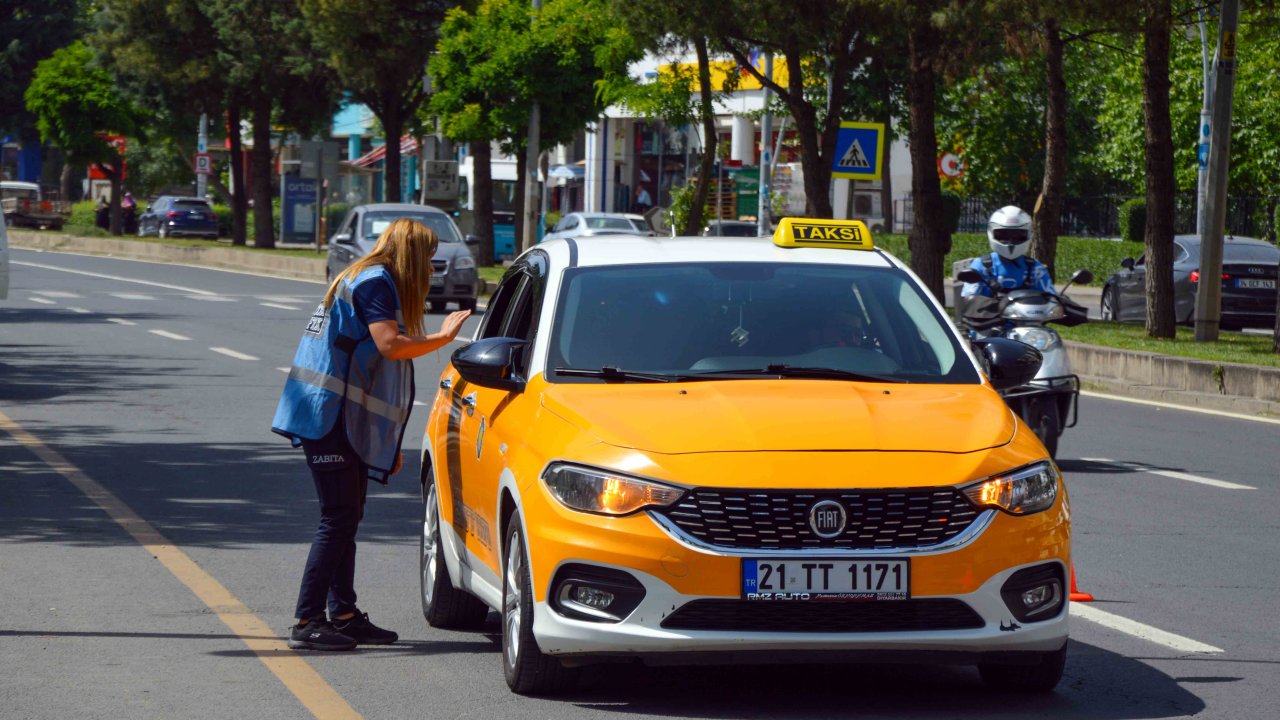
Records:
x=148, y=390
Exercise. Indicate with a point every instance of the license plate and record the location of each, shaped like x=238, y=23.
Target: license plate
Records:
x=437, y=281
x=1255, y=284
x=197, y=216
x=826, y=579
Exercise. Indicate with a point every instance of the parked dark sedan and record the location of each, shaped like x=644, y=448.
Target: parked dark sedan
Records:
x=172, y=216
x=454, y=277
x=1249, y=274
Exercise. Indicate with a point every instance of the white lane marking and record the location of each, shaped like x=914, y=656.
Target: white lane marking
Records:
x=42, y=301
x=211, y=298
x=167, y=334
x=419, y=403
x=221, y=501
x=1171, y=406
x=285, y=299
x=1091, y=613
x=121, y=321
x=104, y=276
x=232, y=353
x=132, y=296
x=1176, y=475
x=281, y=307
x=283, y=370
x=78, y=310
x=54, y=293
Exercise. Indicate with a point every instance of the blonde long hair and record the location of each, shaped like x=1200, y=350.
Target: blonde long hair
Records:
x=405, y=249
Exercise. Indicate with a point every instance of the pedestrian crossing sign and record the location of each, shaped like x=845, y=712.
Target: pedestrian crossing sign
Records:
x=859, y=151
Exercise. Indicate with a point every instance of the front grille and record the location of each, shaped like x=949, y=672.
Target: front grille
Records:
x=779, y=520
x=824, y=616
x=440, y=266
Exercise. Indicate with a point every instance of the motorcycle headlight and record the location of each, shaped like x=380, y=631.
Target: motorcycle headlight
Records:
x=1038, y=312
x=1019, y=492
x=466, y=262
x=1037, y=337
x=604, y=492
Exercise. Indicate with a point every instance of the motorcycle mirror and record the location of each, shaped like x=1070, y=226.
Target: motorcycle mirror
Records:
x=969, y=276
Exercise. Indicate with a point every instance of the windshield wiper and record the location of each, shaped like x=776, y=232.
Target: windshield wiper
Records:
x=802, y=371
x=609, y=372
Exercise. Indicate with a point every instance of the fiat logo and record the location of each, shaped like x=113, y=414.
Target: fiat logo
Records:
x=827, y=519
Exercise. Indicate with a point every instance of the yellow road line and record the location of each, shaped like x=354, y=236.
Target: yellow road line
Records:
x=297, y=675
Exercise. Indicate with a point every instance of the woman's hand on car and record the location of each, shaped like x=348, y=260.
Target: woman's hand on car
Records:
x=453, y=324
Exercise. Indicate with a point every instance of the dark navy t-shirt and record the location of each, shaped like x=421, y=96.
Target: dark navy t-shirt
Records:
x=375, y=300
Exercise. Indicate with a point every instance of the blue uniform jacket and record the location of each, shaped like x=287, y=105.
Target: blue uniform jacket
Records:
x=1023, y=272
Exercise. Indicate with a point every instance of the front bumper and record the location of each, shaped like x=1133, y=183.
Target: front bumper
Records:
x=457, y=285
x=673, y=573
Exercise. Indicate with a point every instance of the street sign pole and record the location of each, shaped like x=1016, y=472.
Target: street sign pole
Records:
x=1206, y=115
x=1209, y=289
x=766, y=145
x=529, y=234
x=202, y=147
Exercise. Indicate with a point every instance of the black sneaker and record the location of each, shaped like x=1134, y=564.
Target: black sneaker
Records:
x=364, y=632
x=319, y=635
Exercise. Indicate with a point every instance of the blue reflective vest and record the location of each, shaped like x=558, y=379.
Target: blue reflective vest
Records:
x=339, y=371
x=1023, y=272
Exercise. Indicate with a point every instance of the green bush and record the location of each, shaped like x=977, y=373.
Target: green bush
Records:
x=1133, y=220
x=951, y=206
x=1099, y=256
x=83, y=213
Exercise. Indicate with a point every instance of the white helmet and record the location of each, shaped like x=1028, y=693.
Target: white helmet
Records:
x=1009, y=232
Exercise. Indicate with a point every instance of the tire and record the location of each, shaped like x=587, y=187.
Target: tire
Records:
x=1110, y=308
x=140, y=232
x=1040, y=678
x=1041, y=415
x=443, y=605
x=436, y=307
x=528, y=670
x=162, y=232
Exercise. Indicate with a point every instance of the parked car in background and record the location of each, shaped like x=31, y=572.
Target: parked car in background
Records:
x=584, y=224
x=454, y=276
x=4, y=262
x=25, y=206
x=173, y=216
x=731, y=228
x=1249, y=274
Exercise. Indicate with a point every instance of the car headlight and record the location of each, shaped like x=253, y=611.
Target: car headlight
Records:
x=604, y=492
x=1037, y=337
x=1019, y=492
x=466, y=262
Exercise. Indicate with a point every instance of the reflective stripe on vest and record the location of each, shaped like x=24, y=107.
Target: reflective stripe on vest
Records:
x=354, y=394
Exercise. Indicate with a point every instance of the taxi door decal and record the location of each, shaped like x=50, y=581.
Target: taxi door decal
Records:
x=453, y=460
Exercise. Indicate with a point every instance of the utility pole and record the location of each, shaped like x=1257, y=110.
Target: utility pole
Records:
x=532, y=153
x=1209, y=289
x=763, y=222
x=202, y=147
x=1206, y=109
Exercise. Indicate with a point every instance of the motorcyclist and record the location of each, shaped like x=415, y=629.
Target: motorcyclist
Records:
x=1008, y=267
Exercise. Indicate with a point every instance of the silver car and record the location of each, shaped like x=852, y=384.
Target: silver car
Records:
x=454, y=277
x=584, y=224
x=1249, y=269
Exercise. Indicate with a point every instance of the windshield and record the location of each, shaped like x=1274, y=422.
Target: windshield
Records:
x=609, y=223
x=694, y=318
x=375, y=222
x=1250, y=254
x=18, y=192
x=191, y=206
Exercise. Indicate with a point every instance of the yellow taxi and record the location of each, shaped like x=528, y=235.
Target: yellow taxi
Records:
x=692, y=450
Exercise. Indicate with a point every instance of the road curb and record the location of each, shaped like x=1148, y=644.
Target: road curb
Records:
x=214, y=256
x=1233, y=387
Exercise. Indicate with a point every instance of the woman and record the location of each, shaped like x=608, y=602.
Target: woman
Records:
x=346, y=403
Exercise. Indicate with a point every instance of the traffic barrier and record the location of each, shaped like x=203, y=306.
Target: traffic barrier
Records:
x=1076, y=595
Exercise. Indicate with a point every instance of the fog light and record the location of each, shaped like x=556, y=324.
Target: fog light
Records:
x=1036, y=596
x=593, y=597
x=1035, y=593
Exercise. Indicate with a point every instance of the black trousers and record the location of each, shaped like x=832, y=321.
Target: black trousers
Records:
x=342, y=482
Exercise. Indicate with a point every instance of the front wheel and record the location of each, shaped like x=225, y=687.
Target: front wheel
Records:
x=528, y=670
x=1040, y=678
x=1110, y=308
x=443, y=605
x=1041, y=414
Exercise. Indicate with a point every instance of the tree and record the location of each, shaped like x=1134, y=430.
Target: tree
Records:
x=76, y=104
x=380, y=50
x=30, y=33
x=1158, y=132
x=930, y=240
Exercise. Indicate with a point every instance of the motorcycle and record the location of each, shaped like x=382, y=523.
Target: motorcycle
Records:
x=1049, y=403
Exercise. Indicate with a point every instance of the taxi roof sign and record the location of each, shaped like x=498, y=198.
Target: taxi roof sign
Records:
x=806, y=232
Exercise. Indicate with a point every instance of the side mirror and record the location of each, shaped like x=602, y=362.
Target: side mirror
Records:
x=472, y=239
x=491, y=363
x=1009, y=363
x=342, y=237
x=1081, y=277
x=969, y=276
x=1127, y=263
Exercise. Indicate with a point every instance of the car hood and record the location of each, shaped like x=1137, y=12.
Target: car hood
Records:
x=785, y=415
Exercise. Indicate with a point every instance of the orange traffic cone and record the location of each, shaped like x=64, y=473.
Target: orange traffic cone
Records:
x=1076, y=595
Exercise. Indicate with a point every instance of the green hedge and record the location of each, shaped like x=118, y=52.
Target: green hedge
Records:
x=1101, y=257
x=1133, y=220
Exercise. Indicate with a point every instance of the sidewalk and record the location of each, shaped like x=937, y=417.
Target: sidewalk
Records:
x=1182, y=381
